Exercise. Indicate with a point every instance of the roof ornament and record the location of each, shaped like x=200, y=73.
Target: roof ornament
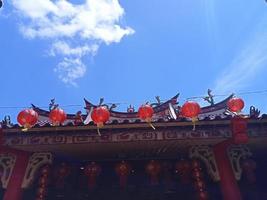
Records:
x=156, y=103
x=52, y=104
x=1, y=3
x=254, y=112
x=113, y=105
x=7, y=121
x=130, y=109
x=209, y=98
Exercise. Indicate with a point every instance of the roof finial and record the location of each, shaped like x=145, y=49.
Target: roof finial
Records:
x=53, y=104
x=209, y=98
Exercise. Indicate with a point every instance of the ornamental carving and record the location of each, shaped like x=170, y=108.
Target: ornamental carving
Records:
x=205, y=154
x=235, y=153
x=7, y=162
x=36, y=161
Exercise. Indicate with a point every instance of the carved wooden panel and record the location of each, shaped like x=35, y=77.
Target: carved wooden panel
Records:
x=36, y=161
x=205, y=154
x=7, y=162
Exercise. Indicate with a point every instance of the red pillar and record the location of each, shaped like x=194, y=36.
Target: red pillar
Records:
x=229, y=186
x=14, y=190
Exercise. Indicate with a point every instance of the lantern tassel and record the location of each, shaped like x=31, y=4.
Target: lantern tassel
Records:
x=148, y=120
x=194, y=120
x=25, y=129
x=150, y=124
x=98, y=131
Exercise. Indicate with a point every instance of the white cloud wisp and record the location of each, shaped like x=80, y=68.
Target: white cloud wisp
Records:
x=75, y=30
x=251, y=60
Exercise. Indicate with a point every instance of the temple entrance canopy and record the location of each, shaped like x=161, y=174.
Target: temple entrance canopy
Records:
x=202, y=157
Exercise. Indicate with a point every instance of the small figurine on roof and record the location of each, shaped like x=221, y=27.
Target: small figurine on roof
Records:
x=209, y=98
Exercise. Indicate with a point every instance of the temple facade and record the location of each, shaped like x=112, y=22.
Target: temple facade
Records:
x=223, y=157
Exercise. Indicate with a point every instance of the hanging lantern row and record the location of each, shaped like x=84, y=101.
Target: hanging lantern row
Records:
x=27, y=118
x=101, y=114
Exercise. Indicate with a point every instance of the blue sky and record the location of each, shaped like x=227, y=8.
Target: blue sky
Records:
x=130, y=51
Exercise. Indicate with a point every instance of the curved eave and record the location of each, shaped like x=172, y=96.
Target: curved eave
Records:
x=217, y=106
x=157, y=109
x=45, y=113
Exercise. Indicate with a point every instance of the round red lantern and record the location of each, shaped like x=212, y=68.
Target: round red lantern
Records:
x=60, y=174
x=92, y=170
x=191, y=109
x=123, y=169
x=203, y=195
x=248, y=167
x=145, y=112
x=1, y=174
x=100, y=115
x=27, y=118
x=57, y=116
x=235, y=104
x=153, y=169
x=43, y=181
x=183, y=168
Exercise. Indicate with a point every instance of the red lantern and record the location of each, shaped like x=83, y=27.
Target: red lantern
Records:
x=183, y=168
x=203, y=195
x=27, y=118
x=248, y=167
x=1, y=174
x=191, y=109
x=235, y=104
x=92, y=170
x=153, y=169
x=100, y=115
x=145, y=112
x=239, y=130
x=60, y=174
x=43, y=181
x=45, y=170
x=57, y=116
x=167, y=175
x=199, y=185
x=123, y=169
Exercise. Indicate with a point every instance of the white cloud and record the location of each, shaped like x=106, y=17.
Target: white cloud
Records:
x=251, y=60
x=75, y=30
x=70, y=69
